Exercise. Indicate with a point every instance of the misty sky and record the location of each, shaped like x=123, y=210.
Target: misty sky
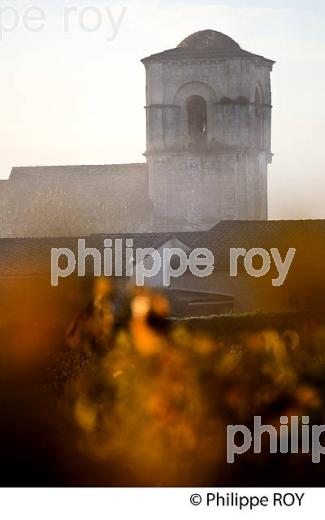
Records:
x=77, y=97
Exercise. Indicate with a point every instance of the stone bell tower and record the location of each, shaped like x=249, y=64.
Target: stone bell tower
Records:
x=208, y=133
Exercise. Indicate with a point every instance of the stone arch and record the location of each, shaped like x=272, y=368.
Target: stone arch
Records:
x=195, y=88
x=257, y=86
x=208, y=95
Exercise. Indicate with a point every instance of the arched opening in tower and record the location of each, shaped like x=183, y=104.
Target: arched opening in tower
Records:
x=258, y=116
x=197, y=115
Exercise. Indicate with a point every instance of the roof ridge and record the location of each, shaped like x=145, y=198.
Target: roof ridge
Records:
x=38, y=166
x=186, y=53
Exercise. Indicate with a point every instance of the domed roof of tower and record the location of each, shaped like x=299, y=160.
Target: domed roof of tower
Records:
x=209, y=40
x=204, y=45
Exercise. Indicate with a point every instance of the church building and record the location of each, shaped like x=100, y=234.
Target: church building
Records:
x=208, y=133
x=208, y=113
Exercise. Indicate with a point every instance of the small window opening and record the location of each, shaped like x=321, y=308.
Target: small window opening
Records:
x=197, y=120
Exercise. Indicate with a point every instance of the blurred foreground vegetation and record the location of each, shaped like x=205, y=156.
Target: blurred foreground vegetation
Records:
x=134, y=398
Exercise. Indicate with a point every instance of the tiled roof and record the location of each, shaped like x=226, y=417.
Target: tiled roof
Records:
x=32, y=256
x=72, y=200
x=205, y=45
x=281, y=234
x=23, y=172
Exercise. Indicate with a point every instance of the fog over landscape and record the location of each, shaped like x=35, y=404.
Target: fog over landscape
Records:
x=75, y=95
